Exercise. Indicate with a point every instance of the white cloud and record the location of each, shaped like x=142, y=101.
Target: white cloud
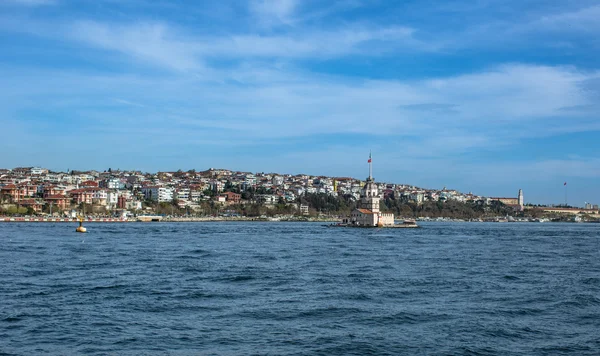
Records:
x=31, y=2
x=160, y=44
x=151, y=42
x=274, y=12
x=538, y=170
x=513, y=92
x=584, y=20
x=503, y=105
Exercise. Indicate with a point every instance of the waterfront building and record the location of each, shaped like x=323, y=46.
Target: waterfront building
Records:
x=59, y=201
x=34, y=204
x=368, y=214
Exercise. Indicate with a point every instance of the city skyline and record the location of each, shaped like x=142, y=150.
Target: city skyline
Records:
x=42, y=174
x=505, y=98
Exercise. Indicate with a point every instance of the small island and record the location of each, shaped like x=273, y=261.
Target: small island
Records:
x=367, y=214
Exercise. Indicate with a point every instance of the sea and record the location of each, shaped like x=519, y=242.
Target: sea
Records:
x=278, y=288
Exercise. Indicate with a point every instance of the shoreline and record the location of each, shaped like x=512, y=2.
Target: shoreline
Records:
x=6, y=219
x=134, y=220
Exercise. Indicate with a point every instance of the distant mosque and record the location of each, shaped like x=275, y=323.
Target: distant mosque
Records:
x=368, y=214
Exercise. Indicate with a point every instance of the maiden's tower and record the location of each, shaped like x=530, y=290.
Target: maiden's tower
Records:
x=368, y=214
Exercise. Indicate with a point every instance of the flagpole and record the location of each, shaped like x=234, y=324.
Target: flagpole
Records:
x=566, y=195
x=370, y=167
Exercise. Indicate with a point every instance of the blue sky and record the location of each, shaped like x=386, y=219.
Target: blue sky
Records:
x=484, y=96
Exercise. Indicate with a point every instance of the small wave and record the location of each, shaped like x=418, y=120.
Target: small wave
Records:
x=196, y=295
x=570, y=349
x=466, y=350
x=126, y=341
x=591, y=281
x=13, y=318
x=580, y=300
x=266, y=258
x=511, y=278
x=241, y=278
x=330, y=312
x=360, y=297
x=351, y=348
x=34, y=294
x=521, y=311
x=113, y=286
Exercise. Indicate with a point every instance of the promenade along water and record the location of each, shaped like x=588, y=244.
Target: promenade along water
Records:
x=299, y=288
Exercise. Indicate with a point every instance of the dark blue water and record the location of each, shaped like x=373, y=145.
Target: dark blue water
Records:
x=300, y=288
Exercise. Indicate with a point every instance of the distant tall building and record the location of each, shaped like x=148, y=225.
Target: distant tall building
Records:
x=521, y=204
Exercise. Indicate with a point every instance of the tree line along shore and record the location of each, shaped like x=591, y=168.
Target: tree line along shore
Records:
x=320, y=207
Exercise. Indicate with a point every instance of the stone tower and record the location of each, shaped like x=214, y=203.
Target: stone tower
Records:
x=521, y=198
x=369, y=197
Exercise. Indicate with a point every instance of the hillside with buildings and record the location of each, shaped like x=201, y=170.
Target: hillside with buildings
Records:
x=34, y=190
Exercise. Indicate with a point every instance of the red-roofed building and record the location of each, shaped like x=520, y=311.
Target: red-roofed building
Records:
x=232, y=197
x=61, y=201
x=10, y=190
x=27, y=190
x=19, y=192
x=34, y=204
x=83, y=195
x=89, y=184
x=53, y=190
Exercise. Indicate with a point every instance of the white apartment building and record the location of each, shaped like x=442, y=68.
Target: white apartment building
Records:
x=100, y=197
x=250, y=179
x=114, y=183
x=196, y=195
x=183, y=194
x=38, y=170
x=159, y=194
x=277, y=180
x=112, y=198
x=52, y=178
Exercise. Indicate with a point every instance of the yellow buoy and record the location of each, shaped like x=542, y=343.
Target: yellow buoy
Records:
x=80, y=228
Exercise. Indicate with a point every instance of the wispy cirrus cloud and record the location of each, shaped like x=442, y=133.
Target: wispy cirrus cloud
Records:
x=31, y=2
x=160, y=44
x=583, y=20
x=151, y=42
x=164, y=45
x=274, y=12
x=498, y=105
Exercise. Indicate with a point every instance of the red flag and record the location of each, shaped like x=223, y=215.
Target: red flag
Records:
x=565, y=183
x=369, y=161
